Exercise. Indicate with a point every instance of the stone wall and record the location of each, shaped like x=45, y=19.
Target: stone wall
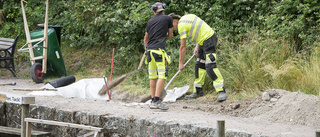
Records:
x=115, y=125
x=2, y=114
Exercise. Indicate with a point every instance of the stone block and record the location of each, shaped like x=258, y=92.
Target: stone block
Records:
x=265, y=96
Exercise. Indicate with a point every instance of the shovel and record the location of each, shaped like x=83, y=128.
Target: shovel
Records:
x=164, y=92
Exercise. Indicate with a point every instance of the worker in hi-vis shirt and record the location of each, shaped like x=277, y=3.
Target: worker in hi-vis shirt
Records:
x=191, y=26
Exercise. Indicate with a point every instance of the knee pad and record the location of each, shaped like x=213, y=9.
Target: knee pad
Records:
x=200, y=65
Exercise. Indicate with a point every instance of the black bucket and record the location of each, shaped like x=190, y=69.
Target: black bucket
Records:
x=62, y=81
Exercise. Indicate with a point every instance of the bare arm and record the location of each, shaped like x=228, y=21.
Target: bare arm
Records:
x=169, y=35
x=146, y=39
x=196, y=49
x=182, y=53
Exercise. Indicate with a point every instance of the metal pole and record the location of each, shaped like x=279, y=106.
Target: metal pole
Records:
x=112, y=65
x=24, y=114
x=221, y=128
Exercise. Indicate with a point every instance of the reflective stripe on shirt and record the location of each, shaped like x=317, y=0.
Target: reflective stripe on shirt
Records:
x=194, y=22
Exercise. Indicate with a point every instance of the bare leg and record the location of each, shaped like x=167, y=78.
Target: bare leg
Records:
x=159, y=88
x=153, y=83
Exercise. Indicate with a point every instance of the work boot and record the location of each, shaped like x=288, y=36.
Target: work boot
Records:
x=222, y=96
x=153, y=105
x=158, y=105
x=194, y=95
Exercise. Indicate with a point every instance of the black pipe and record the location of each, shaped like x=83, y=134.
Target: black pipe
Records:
x=62, y=81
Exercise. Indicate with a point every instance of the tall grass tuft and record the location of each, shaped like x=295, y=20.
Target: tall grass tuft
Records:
x=257, y=64
x=310, y=82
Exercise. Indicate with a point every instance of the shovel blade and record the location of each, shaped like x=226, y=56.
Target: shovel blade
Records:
x=163, y=94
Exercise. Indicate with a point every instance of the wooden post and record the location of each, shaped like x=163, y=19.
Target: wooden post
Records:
x=28, y=130
x=3, y=97
x=221, y=128
x=24, y=114
x=317, y=133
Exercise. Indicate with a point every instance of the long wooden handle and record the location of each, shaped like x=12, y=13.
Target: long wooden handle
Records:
x=12, y=83
x=142, y=59
x=34, y=89
x=177, y=73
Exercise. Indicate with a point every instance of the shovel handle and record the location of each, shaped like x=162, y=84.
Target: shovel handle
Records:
x=142, y=59
x=175, y=75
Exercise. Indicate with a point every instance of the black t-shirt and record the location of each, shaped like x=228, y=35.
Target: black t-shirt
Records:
x=157, y=28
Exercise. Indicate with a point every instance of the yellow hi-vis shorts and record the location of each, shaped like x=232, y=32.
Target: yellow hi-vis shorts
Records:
x=157, y=64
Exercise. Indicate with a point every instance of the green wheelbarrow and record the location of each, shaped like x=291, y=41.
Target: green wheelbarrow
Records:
x=55, y=63
x=44, y=50
x=54, y=60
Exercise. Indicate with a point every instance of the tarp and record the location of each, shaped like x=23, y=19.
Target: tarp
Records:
x=175, y=93
x=84, y=88
x=89, y=88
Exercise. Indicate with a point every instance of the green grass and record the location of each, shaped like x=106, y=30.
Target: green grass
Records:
x=258, y=64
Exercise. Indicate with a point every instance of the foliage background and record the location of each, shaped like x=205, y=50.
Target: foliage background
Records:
x=262, y=44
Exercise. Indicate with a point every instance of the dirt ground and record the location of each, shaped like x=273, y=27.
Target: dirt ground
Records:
x=275, y=113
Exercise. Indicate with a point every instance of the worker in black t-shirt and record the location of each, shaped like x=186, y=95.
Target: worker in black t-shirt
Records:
x=158, y=29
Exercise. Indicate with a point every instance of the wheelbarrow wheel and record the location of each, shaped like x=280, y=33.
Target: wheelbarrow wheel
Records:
x=36, y=73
